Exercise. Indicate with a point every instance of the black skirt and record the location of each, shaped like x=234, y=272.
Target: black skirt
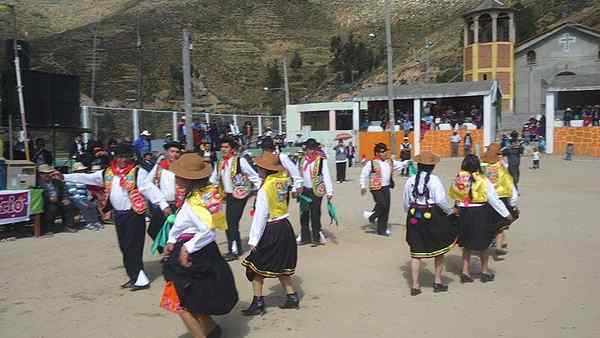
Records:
x=429, y=232
x=502, y=223
x=208, y=286
x=478, y=227
x=276, y=253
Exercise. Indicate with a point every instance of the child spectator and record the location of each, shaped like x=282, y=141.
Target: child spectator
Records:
x=78, y=194
x=536, y=158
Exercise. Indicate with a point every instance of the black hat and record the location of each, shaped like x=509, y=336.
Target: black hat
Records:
x=123, y=150
x=311, y=143
x=173, y=144
x=267, y=143
x=379, y=147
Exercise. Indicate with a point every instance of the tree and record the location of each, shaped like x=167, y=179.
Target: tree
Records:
x=296, y=62
x=525, y=18
x=274, y=79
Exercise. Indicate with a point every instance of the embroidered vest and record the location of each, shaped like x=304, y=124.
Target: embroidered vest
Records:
x=500, y=178
x=465, y=182
x=276, y=188
x=316, y=176
x=376, y=180
x=207, y=205
x=240, y=182
x=129, y=183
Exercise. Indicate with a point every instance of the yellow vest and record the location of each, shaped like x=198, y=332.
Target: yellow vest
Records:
x=500, y=178
x=207, y=204
x=276, y=188
x=465, y=182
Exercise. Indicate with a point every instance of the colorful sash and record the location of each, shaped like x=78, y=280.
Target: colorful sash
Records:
x=316, y=175
x=127, y=181
x=240, y=182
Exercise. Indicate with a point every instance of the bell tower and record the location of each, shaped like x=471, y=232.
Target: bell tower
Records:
x=489, y=43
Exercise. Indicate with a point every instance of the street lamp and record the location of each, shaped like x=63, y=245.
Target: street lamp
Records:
x=11, y=8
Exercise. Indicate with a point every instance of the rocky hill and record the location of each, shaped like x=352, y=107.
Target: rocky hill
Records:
x=235, y=40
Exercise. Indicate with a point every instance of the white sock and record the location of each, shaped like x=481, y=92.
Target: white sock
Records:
x=142, y=279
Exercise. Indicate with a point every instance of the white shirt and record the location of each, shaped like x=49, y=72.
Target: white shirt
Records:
x=225, y=174
x=307, y=176
x=492, y=199
x=186, y=222
x=119, y=197
x=386, y=172
x=455, y=138
x=167, y=182
x=292, y=170
x=536, y=155
x=261, y=217
x=437, y=192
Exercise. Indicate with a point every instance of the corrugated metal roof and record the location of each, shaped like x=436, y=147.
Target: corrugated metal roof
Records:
x=488, y=5
x=570, y=83
x=430, y=91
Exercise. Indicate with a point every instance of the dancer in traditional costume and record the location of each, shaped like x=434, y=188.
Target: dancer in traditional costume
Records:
x=377, y=175
x=317, y=183
x=429, y=231
x=125, y=189
x=477, y=204
x=268, y=146
x=497, y=173
x=163, y=179
x=272, y=239
x=203, y=281
x=236, y=177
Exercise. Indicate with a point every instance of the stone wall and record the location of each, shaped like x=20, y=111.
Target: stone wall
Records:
x=585, y=139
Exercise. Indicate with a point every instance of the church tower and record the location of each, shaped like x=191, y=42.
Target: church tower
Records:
x=489, y=43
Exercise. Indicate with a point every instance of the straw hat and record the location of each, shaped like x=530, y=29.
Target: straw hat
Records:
x=269, y=161
x=191, y=166
x=146, y=133
x=78, y=166
x=46, y=169
x=491, y=154
x=427, y=158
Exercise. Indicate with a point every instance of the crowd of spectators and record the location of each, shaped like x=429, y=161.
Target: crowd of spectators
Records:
x=590, y=115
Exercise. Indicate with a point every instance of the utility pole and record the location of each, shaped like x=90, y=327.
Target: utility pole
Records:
x=187, y=88
x=94, y=47
x=428, y=45
x=390, y=74
x=140, y=65
x=286, y=88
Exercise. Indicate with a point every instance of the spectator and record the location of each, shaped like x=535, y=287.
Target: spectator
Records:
x=351, y=154
x=468, y=143
x=78, y=148
x=341, y=158
x=513, y=153
x=56, y=201
x=454, y=143
x=248, y=132
x=405, y=154
x=82, y=200
x=42, y=155
x=535, y=159
x=567, y=117
x=142, y=145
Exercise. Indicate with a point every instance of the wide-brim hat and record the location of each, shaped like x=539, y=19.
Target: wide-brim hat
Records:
x=78, y=166
x=173, y=144
x=146, y=133
x=46, y=169
x=491, y=154
x=269, y=161
x=381, y=147
x=267, y=143
x=427, y=158
x=123, y=150
x=311, y=143
x=191, y=166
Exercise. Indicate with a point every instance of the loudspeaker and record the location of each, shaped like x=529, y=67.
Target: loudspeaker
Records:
x=7, y=55
x=50, y=99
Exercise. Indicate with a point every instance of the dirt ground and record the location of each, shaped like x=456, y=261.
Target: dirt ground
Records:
x=356, y=286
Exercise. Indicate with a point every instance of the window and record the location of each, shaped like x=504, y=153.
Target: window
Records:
x=485, y=77
x=485, y=28
x=531, y=58
x=317, y=120
x=503, y=27
x=343, y=120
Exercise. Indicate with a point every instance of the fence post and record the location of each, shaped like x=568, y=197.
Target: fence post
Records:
x=174, y=121
x=259, y=125
x=207, y=115
x=135, y=118
x=85, y=122
x=280, y=125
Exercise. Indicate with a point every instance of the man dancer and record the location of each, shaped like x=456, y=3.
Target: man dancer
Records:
x=235, y=175
x=513, y=153
x=126, y=188
x=317, y=183
x=164, y=180
x=379, y=174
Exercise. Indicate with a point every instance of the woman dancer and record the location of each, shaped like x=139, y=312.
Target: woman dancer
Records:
x=272, y=239
x=429, y=232
x=477, y=202
x=203, y=280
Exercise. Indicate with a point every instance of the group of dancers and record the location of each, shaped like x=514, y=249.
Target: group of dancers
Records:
x=188, y=187
x=484, y=203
